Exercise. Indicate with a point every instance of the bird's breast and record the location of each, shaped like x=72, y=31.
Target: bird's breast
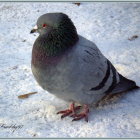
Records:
x=40, y=58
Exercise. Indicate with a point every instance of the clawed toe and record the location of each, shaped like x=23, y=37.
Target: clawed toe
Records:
x=69, y=111
x=81, y=116
x=65, y=113
x=72, y=113
x=62, y=112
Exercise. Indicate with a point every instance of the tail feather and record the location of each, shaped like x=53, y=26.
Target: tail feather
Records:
x=124, y=85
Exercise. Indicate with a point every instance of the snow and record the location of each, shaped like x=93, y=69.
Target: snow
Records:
x=109, y=26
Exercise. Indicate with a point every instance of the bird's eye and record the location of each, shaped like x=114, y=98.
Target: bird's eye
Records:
x=44, y=25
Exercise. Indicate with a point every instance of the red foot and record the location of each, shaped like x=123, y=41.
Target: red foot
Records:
x=82, y=115
x=69, y=111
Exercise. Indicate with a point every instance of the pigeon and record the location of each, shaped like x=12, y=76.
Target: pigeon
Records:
x=72, y=67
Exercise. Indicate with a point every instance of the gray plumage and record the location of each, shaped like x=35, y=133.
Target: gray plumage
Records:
x=80, y=73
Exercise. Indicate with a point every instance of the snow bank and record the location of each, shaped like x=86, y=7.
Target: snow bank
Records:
x=109, y=25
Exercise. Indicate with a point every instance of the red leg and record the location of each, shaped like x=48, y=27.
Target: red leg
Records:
x=69, y=111
x=82, y=115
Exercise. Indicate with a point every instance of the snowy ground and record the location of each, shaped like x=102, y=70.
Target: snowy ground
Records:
x=109, y=25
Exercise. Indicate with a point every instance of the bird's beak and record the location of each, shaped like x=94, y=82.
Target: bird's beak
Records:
x=34, y=29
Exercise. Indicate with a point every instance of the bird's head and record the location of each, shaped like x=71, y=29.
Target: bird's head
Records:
x=53, y=21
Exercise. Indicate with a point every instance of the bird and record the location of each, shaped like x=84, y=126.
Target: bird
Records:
x=72, y=67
